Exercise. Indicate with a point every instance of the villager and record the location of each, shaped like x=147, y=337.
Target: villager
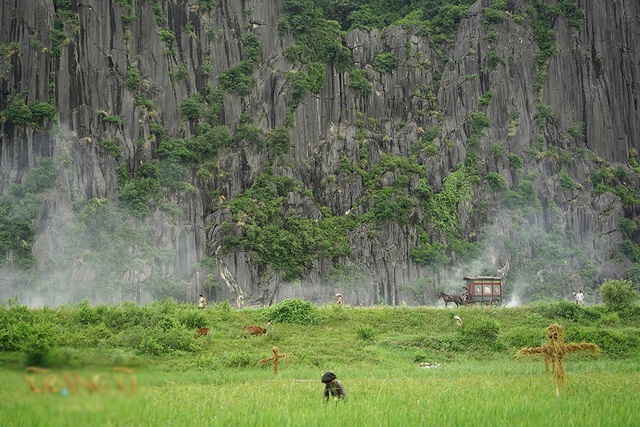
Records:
x=338, y=299
x=202, y=302
x=580, y=297
x=464, y=296
x=333, y=387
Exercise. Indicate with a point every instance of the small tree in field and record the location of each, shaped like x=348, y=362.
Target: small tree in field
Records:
x=618, y=294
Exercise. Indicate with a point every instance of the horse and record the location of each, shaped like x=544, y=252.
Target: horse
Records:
x=447, y=298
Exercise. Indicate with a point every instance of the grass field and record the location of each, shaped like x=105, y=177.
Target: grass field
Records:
x=500, y=393
x=376, y=352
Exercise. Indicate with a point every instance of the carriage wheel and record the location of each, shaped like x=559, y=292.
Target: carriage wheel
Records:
x=496, y=301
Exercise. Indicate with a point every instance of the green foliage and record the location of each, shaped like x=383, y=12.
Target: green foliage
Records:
x=493, y=60
x=206, y=5
x=191, y=108
x=443, y=17
x=444, y=205
x=430, y=254
x=41, y=110
x=137, y=194
x=249, y=133
x=113, y=119
x=627, y=227
x=319, y=39
x=497, y=149
x=359, y=82
x=385, y=62
x=479, y=121
x=38, y=343
x=544, y=115
x=481, y=334
x=58, y=38
x=17, y=112
x=390, y=205
x=19, y=210
x=237, y=359
x=204, y=145
x=238, y=79
x=565, y=310
x=317, y=74
x=299, y=83
x=280, y=237
x=365, y=332
x=524, y=195
x=496, y=181
x=42, y=177
x=566, y=182
x=491, y=16
x=278, y=141
x=111, y=146
x=576, y=130
x=631, y=250
x=618, y=294
x=158, y=13
x=615, y=343
x=485, y=99
x=293, y=310
x=167, y=37
x=523, y=336
x=181, y=73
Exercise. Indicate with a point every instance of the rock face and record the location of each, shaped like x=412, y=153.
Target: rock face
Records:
x=573, y=116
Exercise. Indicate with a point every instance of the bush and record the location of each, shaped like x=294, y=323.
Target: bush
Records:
x=365, y=332
x=615, y=343
x=618, y=294
x=177, y=339
x=85, y=314
x=481, y=334
x=41, y=110
x=38, y=344
x=359, y=82
x=17, y=112
x=42, y=177
x=191, y=109
x=523, y=336
x=194, y=319
x=149, y=345
x=385, y=62
x=293, y=310
x=565, y=310
x=237, y=360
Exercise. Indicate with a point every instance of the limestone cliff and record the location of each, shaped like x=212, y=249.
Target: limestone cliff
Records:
x=485, y=109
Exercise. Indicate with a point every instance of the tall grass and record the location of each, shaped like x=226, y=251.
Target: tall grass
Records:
x=215, y=381
x=501, y=393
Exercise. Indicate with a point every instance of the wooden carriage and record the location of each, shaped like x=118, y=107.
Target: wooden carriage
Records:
x=484, y=289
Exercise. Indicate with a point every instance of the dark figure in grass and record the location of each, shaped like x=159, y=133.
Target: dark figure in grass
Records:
x=333, y=387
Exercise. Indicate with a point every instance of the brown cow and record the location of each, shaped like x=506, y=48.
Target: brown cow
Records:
x=255, y=330
x=201, y=331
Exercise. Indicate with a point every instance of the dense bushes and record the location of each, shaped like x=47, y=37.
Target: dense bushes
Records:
x=294, y=311
x=618, y=294
x=52, y=337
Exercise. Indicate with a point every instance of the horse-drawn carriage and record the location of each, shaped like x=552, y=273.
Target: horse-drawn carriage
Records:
x=477, y=289
x=483, y=289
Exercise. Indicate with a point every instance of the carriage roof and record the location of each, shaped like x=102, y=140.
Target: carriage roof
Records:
x=483, y=278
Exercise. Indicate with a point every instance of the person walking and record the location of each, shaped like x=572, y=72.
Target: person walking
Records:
x=580, y=297
x=202, y=302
